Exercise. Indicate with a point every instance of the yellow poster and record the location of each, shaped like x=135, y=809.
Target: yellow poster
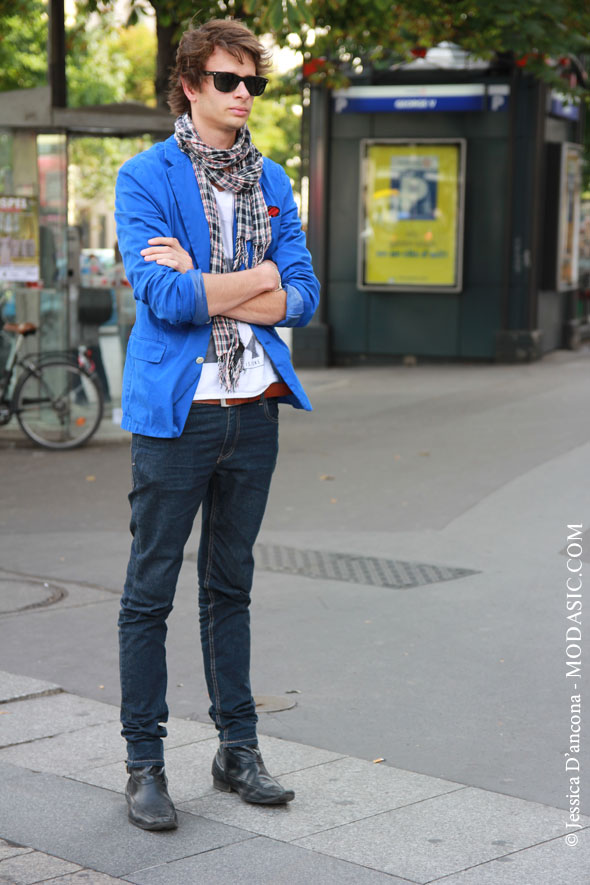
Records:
x=412, y=196
x=569, y=217
x=19, y=239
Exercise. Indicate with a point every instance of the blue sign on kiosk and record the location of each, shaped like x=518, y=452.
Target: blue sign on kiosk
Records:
x=560, y=107
x=404, y=99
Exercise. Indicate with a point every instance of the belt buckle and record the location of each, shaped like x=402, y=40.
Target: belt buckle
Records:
x=224, y=402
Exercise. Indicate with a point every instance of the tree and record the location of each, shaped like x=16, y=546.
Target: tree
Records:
x=276, y=127
x=138, y=45
x=23, y=44
x=125, y=58
x=92, y=50
x=172, y=16
x=547, y=39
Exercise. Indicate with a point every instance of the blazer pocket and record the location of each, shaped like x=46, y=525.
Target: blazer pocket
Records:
x=146, y=349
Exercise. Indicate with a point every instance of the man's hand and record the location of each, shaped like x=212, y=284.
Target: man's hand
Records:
x=169, y=252
x=275, y=278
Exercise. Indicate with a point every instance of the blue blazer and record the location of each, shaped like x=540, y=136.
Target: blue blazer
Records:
x=157, y=196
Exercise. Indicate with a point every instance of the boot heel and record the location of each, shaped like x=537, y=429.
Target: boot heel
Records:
x=221, y=785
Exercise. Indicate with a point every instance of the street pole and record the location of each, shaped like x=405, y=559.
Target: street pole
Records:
x=57, y=54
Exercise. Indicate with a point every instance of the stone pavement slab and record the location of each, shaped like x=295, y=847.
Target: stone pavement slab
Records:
x=262, y=861
x=188, y=767
x=443, y=835
x=553, y=862
x=34, y=867
x=89, y=826
x=97, y=748
x=14, y=687
x=87, y=877
x=10, y=849
x=29, y=720
x=327, y=795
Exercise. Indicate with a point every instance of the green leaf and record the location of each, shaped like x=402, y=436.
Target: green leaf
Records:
x=275, y=15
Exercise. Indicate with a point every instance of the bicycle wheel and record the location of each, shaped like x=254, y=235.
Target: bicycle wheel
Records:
x=58, y=405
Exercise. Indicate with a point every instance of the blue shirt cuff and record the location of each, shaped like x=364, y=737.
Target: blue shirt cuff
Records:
x=201, y=314
x=294, y=307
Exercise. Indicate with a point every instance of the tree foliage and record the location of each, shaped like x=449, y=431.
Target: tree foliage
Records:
x=23, y=44
x=540, y=37
x=346, y=36
x=172, y=17
x=96, y=66
x=94, y=163
x=106, y=64
x=546, y=39
x=138, y=44
x=276, y=128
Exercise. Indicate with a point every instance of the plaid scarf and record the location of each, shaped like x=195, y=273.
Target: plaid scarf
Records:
x=238, y=170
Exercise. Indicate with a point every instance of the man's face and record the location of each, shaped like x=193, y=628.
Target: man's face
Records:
x=221, y=113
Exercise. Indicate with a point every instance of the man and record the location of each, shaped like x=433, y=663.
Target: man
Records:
x=214, y=251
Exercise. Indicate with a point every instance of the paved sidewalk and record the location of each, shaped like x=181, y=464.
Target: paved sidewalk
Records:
x=63, y=815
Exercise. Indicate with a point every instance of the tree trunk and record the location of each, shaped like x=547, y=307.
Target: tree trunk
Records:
x=165, y=59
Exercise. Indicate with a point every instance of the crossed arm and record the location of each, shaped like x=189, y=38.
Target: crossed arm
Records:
x=252, y=296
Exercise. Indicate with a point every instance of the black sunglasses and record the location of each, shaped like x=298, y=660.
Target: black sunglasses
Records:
x=226, y=82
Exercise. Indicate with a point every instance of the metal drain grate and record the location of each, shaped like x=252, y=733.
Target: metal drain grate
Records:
x=370, y=570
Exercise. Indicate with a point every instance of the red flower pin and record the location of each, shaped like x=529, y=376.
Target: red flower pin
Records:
x=273, y=211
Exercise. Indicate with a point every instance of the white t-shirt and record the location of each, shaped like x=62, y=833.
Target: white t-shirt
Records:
x=258, y=372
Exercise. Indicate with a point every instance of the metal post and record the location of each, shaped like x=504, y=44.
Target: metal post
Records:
x=319, y=122
x=311, y=344
x=57, y=54
x=505, y=307
x=537, y=200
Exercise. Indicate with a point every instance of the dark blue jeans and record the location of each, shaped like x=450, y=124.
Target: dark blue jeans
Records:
x=224, y=460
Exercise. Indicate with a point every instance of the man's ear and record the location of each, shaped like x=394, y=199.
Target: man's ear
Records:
x=188, y=90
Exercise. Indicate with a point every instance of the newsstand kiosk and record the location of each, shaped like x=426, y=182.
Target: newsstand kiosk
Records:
x=443, y=218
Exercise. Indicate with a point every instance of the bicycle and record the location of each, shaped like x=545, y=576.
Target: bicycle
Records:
x=58, y=399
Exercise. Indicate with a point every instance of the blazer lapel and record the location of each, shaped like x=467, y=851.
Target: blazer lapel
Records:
x=183, y=182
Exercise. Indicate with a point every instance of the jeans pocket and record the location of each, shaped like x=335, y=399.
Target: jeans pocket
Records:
x=140, y=450
x=271, y=410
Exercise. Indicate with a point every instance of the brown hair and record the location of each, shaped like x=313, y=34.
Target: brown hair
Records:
x=195, y=47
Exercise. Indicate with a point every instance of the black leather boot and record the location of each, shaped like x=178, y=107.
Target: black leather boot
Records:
x=150, y=806
x=242, y=769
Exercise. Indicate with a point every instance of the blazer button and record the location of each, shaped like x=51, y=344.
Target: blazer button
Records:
x=200, y=359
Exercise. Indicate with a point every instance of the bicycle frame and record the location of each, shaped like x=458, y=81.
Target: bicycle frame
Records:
x=30, y=362
x=7, y=375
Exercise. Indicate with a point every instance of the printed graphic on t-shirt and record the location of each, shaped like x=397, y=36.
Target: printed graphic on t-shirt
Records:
x=253, y=354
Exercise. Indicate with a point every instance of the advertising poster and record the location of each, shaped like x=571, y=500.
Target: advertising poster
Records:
x=411, y=215
x=569, y=217
x=19, y=239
